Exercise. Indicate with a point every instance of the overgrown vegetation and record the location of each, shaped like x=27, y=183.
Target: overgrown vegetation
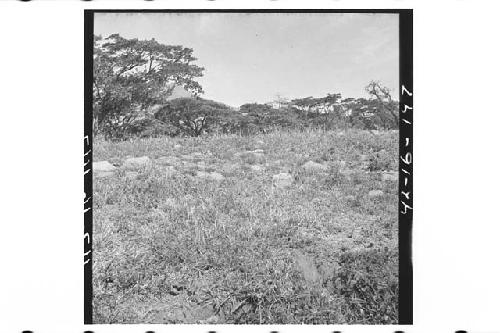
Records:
x=176, y=248
x=132, y=97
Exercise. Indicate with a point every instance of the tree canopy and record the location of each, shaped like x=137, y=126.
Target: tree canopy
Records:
x=192, y=116
x=131, y=75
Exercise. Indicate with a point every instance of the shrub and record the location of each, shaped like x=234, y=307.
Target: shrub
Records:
x=382, y=160
x=368, y=282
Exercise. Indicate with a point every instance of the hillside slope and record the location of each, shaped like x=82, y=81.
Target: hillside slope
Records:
x=209, y=233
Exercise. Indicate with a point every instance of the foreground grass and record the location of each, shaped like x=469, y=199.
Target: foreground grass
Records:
x=181, y=249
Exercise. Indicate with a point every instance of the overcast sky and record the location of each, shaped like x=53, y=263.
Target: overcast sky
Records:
x=253, y=57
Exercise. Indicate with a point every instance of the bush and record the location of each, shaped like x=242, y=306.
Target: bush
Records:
x=369, y=283
x=382, y=160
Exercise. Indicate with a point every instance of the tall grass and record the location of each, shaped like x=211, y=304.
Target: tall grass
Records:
x=181, y=249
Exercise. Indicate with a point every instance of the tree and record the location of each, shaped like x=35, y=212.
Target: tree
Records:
x=192, y=116
x=386, y=110
x=131, y=75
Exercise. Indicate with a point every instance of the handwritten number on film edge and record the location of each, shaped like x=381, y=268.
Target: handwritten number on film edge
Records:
x=406, y=157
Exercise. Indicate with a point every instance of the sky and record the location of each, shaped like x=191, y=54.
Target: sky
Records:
x=253, y=57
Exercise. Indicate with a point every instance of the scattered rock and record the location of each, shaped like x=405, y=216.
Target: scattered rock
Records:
x=257, y=168
x=202, y=165
x=103, y=166
x=340, y=164
x=256, y=151
x=169, y=171
x=170, y=202
x=168, y=160
x=190, y=165
x=259, y=153
x=197, y=155
x=350, y=197
x=313, y=166
x=364, y=158
x=229, y=168
x=135, y=163
x=177, y=146
x=131, y=175
x=103, y=169
x=282, y=180
x=375, y=193
x=390, y=177
x=209, y=175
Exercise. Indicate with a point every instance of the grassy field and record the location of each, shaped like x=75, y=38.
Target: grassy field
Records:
x=172, y=247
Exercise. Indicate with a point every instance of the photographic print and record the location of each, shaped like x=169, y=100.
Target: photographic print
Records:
x=246, y=167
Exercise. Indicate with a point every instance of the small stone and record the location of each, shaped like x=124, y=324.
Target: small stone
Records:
x=375, y=193
x=169, y=171
x=131, y=175
x=313, y=166
x=229, y=168
x=390, y=177
x=190, y=165
x=256, y=168
x=209, y=175
x=135, y=163
x=202, y=165
x=197, y=155
x=282, y=180
x=103, y=166
x=170, y=202
x=103, y=169
x=364, y=157
x=177, y=146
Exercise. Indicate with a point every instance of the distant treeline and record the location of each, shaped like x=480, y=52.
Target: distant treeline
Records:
x=134, y=79
x=196, y=116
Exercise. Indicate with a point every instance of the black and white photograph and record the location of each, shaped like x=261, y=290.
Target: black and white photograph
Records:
x=245, y=167
x=256, y=166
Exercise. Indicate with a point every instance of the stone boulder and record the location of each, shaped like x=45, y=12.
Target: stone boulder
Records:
x=229, y=167
x=136, y=163
x=131, y=175
x=314, y=167
x=282, y=180
x=256, y=151
x=390, y=177
x=103, y=166
x=257, y=168
x=103, y=169
x=209, y=175
x=375, y=193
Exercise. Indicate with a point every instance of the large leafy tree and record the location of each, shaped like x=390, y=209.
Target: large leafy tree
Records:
x=193, y=116
x=131, y=76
